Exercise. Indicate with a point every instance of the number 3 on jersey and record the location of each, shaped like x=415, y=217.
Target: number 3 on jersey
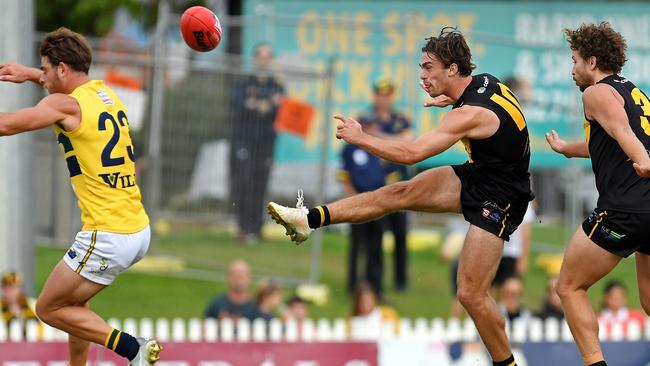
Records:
x=641, y=100
x=107, y=159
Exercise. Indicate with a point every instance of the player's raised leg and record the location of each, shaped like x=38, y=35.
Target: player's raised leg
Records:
x=59, y=306
x=434, y=190
x=643, y=278
x=584, y=264
x=478, y=264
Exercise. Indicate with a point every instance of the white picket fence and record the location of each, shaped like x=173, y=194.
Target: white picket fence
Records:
x=324, y=330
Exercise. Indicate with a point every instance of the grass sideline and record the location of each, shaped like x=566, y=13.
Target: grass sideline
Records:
x=136, y=294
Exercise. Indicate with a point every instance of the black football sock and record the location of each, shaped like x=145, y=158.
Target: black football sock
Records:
x=510, y=361
x=599, y=363
x=318, y=216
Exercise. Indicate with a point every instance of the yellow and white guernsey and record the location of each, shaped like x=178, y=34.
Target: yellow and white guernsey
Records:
x=99, y=154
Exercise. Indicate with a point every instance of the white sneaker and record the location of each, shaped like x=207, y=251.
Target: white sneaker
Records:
x=294, y=220
x=148, y=354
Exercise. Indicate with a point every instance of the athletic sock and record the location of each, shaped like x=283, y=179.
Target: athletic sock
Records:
x=510, y=361
x=599, y=363
x=122, y=343
x=318, y=216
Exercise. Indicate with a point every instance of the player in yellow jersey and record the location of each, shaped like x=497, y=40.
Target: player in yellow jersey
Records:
x=92, y=129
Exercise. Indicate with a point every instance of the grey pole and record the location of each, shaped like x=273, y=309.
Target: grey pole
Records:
x=317, y=243
x=16, y=204
x=154, y=176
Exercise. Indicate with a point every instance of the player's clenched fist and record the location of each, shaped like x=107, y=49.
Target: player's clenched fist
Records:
x=348, y=129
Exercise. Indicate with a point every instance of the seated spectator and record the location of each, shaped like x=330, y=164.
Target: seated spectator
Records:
x=615, y=309
x=368, y=316
x=297, y=309
x=510, y=300
x=552, y=307
x=297, y=312
x=15, y=305
x=269, y=300
x=237, y=301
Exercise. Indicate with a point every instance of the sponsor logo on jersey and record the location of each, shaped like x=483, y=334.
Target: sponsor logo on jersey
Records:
x=106, y=99
x=72, y=253
x=482, y=89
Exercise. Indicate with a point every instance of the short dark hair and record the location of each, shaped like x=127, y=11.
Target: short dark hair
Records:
x=600, y=41
x=450, y=47
x=295, y=299
x=71, y=48
x=614, y=284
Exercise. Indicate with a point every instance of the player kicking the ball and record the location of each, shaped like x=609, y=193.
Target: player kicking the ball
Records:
x=491, y=190
x=92, y=128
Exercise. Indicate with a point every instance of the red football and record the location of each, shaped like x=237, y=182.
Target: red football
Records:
x=200, y=28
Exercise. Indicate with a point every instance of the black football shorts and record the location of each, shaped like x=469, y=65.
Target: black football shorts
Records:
x=485, y=210
x=620, y=233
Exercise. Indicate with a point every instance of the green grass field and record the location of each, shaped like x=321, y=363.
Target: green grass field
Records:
x=207, y=253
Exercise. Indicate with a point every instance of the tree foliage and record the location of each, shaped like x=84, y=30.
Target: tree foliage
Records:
x=95, y=17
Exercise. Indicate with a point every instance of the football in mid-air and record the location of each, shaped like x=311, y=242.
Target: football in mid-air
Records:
x=200, y=28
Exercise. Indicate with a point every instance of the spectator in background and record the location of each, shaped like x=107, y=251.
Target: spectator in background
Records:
x=614, y=309
x=255, y=104
x=269, y=300
x=15, y=305
x=368, y=315
x=297, y=312
x=521, y=87
x=510, y=304
x=388, y=122
x=297, y=309
x=236, y=302
x=363, y=172
x=552, y=307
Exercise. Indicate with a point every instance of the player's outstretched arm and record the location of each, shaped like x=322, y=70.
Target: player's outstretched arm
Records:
x=603, y=105
x=17, y=73
x=456, y=125
x=570, y=150
x=55, y=108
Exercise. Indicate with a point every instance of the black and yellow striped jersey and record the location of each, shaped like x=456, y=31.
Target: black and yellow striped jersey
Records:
x=619, y=187
x=500, y=162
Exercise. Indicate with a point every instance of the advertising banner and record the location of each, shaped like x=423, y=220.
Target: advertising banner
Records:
x=370, y=40
x=205, y=354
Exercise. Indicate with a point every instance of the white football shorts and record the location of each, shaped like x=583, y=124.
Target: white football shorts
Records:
x=100, y=256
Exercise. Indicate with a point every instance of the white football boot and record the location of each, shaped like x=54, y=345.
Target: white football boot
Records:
x=293, y=219
x=148, y=354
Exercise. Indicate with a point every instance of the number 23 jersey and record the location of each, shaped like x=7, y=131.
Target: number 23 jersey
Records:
x=99, y=155
x=619, y=187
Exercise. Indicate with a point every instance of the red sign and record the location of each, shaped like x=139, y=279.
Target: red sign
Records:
x=205, y=354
